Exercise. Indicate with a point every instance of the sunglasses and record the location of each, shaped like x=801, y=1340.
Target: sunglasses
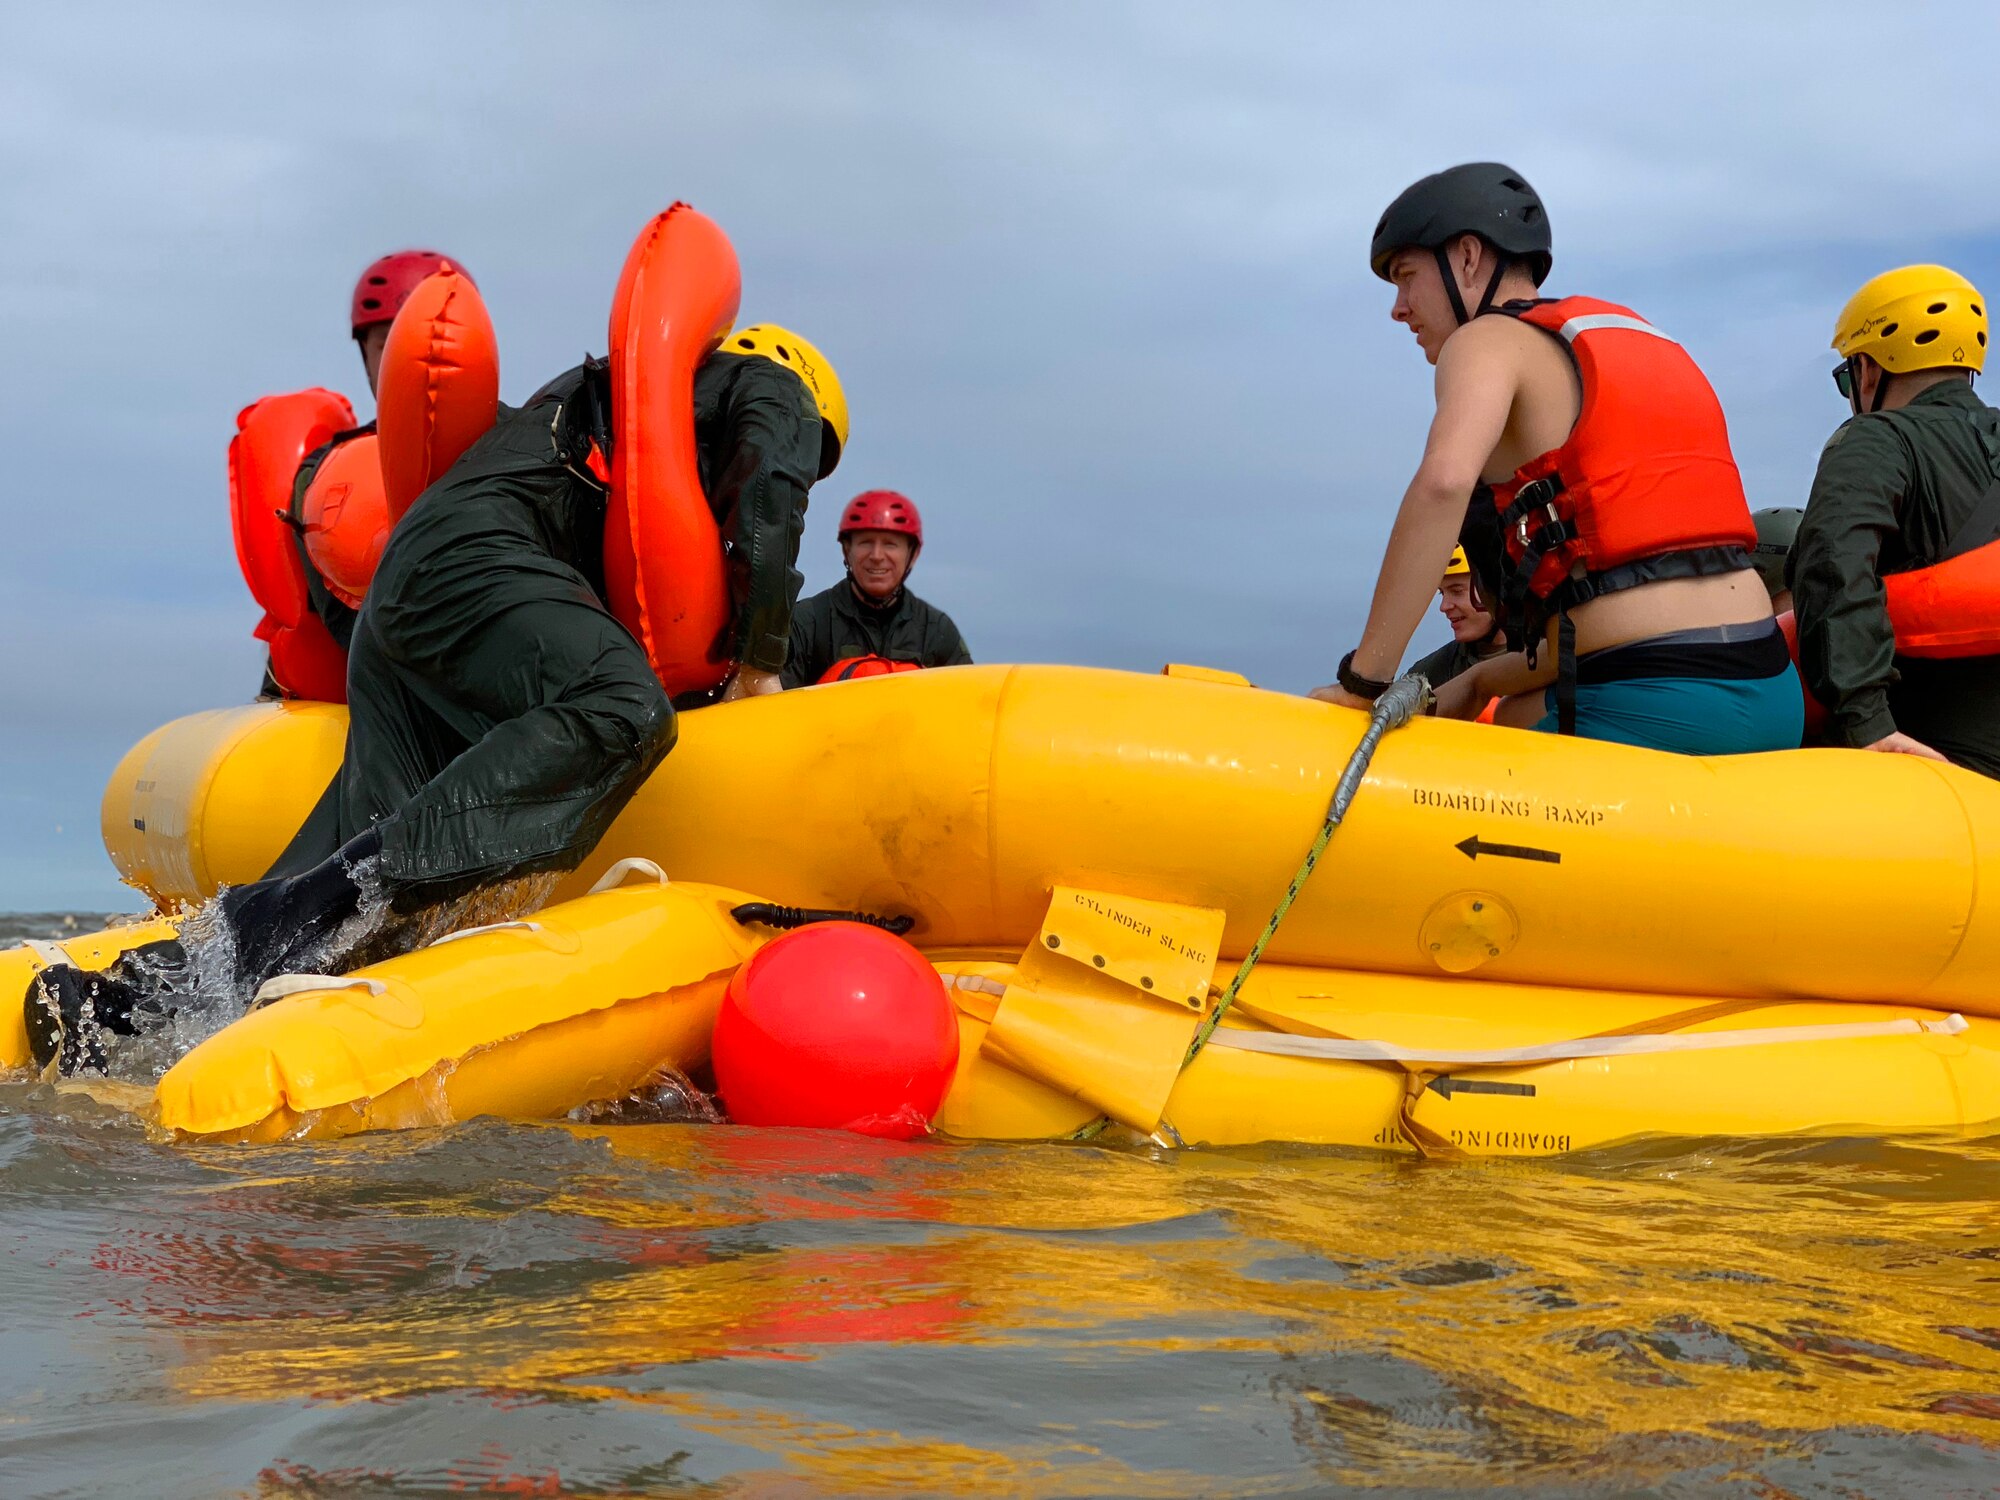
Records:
x=1843, y=378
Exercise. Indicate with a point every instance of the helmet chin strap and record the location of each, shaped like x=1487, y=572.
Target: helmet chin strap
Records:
x=1500, y=265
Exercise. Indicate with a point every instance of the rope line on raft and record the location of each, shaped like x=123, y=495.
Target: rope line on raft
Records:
x=1406, y=698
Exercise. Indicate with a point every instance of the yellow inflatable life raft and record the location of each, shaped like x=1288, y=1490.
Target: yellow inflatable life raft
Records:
x=964, y=796
x=1517, y=945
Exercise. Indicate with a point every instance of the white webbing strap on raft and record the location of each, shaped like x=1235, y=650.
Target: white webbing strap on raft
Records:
x=518, y=925
x=49, y=952
x=617, y=875
x=281, y=986
x=1331, y=1049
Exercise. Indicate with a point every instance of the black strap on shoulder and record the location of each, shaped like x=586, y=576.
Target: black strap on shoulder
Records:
x=582, y=420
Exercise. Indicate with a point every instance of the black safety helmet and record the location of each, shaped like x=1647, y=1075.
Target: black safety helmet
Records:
x=1486, y=198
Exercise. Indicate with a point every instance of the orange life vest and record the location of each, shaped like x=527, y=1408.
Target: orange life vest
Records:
x=847, y=669
x=1951, y=608
x=664, y=571
x=439, y=386
x=438, y=390
x=273, y=437
x=1644, y=487
x=343, y=517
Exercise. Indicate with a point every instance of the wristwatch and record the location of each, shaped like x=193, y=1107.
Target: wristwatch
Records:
x=1362, y=687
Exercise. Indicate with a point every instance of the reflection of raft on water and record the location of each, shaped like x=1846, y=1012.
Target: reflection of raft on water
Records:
x=1517, y=944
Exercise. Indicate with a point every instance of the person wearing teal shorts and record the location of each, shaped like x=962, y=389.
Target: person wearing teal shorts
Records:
x=1720, y=690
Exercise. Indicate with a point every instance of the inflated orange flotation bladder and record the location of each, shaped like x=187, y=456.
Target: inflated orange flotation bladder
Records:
x=439, y=387
x=851, y=667
x=663, y=566
x=1949, y=609
x=1815, y=710
x=273, y=436
x=344, y=517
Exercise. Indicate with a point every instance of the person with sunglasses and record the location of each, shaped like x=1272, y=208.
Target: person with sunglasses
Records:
x=1911, y=481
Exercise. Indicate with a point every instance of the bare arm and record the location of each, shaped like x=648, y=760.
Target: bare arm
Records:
x=1476, y=382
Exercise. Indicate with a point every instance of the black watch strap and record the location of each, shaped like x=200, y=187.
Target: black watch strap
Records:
x=1362, y=687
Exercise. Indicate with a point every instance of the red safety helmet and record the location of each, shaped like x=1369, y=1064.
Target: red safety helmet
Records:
x=386, y=285
x=883, y=510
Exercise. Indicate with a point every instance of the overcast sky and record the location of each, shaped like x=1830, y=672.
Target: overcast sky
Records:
x=1095, y=275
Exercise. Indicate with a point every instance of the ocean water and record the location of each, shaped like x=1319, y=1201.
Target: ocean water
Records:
x=648, y=1309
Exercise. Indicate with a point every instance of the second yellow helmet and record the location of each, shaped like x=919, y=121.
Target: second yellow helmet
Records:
x=1915, y=318
x=1458, y=564
x=806, y=362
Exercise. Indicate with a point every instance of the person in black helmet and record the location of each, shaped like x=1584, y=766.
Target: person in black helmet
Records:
x=1612, y=534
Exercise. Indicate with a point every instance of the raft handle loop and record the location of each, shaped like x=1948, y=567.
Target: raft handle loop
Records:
x=617, y=875
x=518, y=925
x=1405, y=699
x=49, y=952
x=282, y=986
x=787, y=918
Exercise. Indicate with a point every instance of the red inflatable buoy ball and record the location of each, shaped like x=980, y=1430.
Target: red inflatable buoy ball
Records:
x=837, y=1026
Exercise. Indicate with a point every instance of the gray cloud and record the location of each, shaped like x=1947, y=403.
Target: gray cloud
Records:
x=1094, y=276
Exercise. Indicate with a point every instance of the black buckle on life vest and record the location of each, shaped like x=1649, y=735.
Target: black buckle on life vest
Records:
x=1537, y=495
x=583, y=420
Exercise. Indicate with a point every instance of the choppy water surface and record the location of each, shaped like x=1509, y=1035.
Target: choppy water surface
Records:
x=648, y=1309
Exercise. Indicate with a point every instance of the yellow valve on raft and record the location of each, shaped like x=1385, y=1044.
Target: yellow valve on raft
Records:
x=967, y=793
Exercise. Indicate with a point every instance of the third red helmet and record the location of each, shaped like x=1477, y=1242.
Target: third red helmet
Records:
x=883, y=510
x=386, y=285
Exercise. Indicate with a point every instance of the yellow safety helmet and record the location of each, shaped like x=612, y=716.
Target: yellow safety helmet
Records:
x=1915, y=318
x=806, y=362
x=1458, y=566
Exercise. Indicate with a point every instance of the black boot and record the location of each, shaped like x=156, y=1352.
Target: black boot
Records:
x=290, y=926
x=70, y=1011
x=271, y=927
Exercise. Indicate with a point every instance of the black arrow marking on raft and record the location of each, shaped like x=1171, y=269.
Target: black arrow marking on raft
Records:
x=1446, y=1087
x=1475, y=846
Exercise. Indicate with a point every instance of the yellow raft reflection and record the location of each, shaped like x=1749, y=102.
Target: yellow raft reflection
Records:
x=1518, y=945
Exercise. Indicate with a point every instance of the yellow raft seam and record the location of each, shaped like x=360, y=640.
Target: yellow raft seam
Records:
x=1972, y=895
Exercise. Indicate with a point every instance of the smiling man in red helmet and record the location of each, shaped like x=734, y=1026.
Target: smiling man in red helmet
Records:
x=869, y=622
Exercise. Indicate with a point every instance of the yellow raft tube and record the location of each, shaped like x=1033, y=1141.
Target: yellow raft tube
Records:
x=1516, y=945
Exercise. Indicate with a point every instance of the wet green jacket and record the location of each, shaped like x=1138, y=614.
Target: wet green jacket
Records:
x=836, y=624
x=1894, y=492
x=757, y=428
x=499, y=717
